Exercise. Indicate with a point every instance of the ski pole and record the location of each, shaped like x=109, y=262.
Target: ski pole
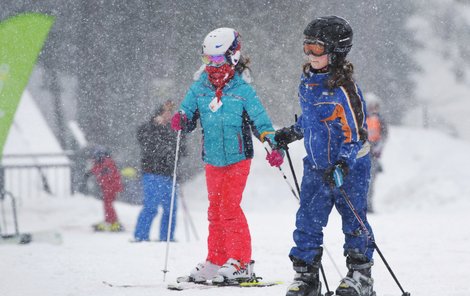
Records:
x=286, y=148
x=268, y=149
x=188, y=217
x=186, y=227
x=173, y=191
x=292, y=169
x=328, y=293
x=363, y=226
x=332, y=261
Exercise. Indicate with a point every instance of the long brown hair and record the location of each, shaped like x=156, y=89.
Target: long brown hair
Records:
x=341, y=72
x=242, y=64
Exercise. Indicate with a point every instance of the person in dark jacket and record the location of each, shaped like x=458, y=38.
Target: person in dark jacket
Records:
x=157, y=143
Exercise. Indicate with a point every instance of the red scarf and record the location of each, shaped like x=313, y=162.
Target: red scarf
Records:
x=219, y=76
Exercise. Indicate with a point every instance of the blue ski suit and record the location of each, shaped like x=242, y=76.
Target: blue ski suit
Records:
x=333, y=124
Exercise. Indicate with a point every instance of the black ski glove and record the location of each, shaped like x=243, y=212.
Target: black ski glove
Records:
x=335, y=174
x=285, y=136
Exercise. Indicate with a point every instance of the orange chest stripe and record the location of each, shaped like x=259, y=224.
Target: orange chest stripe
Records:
x=338, y=112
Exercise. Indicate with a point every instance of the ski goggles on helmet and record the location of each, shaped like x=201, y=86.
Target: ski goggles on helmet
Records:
x=314, y=47
x=214, y=60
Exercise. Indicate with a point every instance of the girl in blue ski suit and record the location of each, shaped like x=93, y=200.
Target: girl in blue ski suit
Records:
x=333, y=125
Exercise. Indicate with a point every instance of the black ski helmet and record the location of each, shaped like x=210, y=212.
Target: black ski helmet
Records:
x=334, y=31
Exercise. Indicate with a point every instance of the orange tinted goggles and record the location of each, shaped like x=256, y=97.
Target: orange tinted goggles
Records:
x=314, y=47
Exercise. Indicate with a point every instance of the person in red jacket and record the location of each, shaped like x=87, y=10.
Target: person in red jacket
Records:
x=109, y=180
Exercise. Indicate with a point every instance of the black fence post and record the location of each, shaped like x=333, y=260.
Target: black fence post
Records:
x=2, y=183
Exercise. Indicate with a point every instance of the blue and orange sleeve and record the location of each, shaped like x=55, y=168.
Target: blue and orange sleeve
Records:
x=353, y=120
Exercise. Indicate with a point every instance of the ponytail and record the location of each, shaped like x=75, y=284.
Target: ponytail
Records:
x=341, y=72
x=242, y=64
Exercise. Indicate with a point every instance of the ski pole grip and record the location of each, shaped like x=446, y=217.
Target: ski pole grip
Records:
x=180, y=122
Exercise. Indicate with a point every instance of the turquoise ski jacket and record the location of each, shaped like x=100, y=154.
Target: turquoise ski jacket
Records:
x=227, y=131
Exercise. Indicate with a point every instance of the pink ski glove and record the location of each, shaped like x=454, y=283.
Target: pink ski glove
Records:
x=178, y=121
x=275, y=158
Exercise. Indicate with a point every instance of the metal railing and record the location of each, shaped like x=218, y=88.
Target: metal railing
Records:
x=32, y=175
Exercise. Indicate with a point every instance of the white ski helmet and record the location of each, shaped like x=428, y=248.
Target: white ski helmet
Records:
x=223, y=41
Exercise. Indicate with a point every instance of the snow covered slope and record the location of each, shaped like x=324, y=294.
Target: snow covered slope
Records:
x=420, y=225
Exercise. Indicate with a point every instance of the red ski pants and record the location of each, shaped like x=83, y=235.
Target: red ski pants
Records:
x=229, y=236
x=110, y=215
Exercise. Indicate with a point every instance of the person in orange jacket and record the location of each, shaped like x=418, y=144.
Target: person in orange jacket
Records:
x=109, y=180
x=377, y=134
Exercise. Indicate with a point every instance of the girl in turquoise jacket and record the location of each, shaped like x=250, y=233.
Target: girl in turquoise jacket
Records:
x=229, y=112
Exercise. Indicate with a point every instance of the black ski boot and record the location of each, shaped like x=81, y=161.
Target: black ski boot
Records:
x=306, y=280
x=358, y=281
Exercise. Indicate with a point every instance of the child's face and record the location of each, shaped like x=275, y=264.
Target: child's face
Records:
x=318, y=63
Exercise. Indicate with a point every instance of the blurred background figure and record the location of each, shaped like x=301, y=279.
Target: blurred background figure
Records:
x=109, y=180
x=132, y=192
x=157, y=143
x=378, y=132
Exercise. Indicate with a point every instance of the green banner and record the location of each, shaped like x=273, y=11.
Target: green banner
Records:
x=21, y=40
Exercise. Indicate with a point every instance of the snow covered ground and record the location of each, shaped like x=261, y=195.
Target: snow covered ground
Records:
x=421, y=203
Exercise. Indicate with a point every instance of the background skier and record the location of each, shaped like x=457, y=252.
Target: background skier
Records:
x=229, y=111
x=377, y=134
x=157, y=143
x=109, y=180
x=333, y=124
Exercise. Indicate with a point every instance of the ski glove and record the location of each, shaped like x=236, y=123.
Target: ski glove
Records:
x=376, y=151
x=335, y=174
x=285, y=136
x=179, y=121
x=275, y=158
